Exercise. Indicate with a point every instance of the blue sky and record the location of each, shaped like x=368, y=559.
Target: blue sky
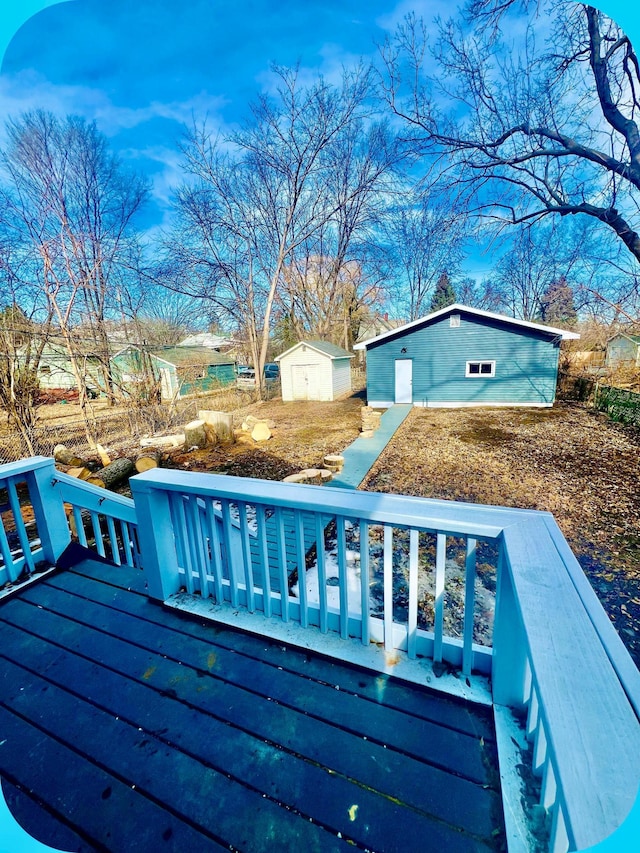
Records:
x=143, y=68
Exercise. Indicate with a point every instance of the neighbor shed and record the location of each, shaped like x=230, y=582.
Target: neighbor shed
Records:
x=462, y=356
x=623, y=351
x=315, y=370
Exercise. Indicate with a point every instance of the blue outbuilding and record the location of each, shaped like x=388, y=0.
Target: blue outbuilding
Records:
x=462, y=356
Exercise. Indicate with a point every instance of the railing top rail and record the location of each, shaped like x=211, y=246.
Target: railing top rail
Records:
x=23, y=466
x=423, y=513
x=593, y=731
x=95, y=498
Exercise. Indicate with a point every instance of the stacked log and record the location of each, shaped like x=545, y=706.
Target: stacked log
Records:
x=334, y=462
x=370, y=420
x=313, y=476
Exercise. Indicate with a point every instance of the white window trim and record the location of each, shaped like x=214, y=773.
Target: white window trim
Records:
x=454, y=321
x=479, y=375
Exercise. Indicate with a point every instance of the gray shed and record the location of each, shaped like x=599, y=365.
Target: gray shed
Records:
x=623, y=351
x=315, y=370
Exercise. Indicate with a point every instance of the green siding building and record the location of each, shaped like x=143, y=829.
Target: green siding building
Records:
x=179, y=370
x=461, y=356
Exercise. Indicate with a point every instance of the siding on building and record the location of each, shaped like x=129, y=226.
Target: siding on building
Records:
x=526, y=362
x=180, y=372
x=314, y=371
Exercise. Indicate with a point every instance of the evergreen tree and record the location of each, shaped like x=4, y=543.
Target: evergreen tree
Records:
x=557, y=305
x=444, y=294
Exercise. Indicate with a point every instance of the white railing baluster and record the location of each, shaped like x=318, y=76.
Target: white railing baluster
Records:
x=246, y=555
x=364, y=583
x=230, y=550
x=180, y=527
x=215, y=556
x=21, y=530
x=469, y=606
x=533, y=716
x=539, y=748
x=126, y=543
x=79, y=523
x=7, y=556
x=113, y=541
x=298, y=523
x=97, y=534
x=283, y=575
x=322, y=573
x=343, y=580
x=195, y=512
x=412, y=622
x=389, y=643
x=438, y=628
x=263, y=550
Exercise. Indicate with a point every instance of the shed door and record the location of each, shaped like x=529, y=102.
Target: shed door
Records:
x=304, y=378
x=404, y=380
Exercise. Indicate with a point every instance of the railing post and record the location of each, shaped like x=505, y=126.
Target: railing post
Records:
x=158, y=554
x=509, y=660
x=48, y=510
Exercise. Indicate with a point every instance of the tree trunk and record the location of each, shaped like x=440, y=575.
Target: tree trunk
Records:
x=115, y=473
x=220, y=422
x=195, y=434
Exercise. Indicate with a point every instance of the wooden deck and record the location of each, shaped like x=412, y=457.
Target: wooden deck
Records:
x=125, y=726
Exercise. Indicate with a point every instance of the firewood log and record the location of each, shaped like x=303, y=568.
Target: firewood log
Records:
x=115, y=472
x=147, y=460
x=66, y=457
x=221, y=424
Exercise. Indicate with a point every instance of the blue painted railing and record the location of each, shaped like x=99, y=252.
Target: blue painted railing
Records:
x=384, y=568
x=555, y=658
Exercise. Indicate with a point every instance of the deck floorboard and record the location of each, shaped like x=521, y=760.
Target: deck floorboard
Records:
x=121, y=719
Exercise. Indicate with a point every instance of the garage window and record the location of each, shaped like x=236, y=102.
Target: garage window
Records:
x=485, y=369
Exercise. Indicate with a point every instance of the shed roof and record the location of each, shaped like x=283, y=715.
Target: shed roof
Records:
x=633, y=338
x=324, y=347
x=181, y=356
x=489, y=315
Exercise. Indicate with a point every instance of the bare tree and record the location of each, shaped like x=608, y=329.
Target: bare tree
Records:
x=548, y=129
x=68, y=204
x=423, y=235
x=251, y=205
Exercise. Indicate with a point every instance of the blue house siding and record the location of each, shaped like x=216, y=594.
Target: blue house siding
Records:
x=526, y=363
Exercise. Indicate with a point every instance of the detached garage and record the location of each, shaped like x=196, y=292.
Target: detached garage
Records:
x=462, y=356
x=315, y=370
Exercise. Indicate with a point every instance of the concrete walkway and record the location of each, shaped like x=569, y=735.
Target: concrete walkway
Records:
x=360, y=456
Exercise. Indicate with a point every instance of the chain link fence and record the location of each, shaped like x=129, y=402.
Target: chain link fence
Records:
x=116, y=429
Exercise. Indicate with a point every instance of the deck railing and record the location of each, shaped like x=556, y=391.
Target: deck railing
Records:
x=365, y=566
x=405, y=574
x=100, y=520
x=408, y=574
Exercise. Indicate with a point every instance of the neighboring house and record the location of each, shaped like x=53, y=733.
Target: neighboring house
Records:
x=376, y=324
x=315, y=370
x=55, y=371
x=180, y=371
x=461, y=356
x=623, y=350
x=208, y=340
